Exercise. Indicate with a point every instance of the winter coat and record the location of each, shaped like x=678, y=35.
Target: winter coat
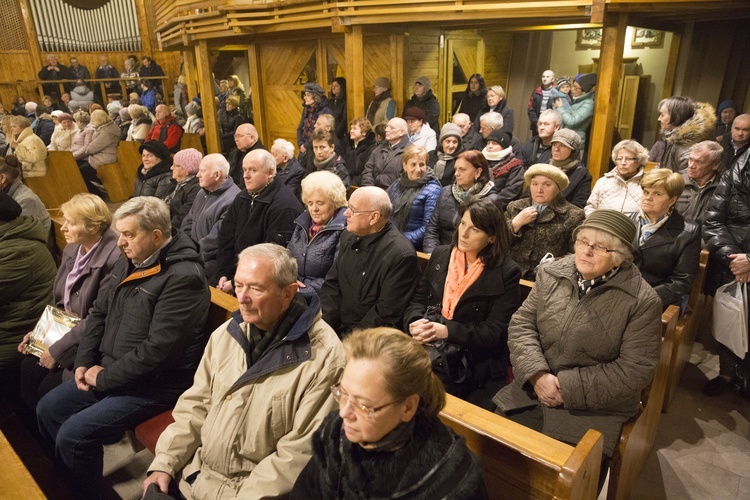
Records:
x=472, y=103
x=693, y=201
x=732, y=154
x=338, y=167
x=551, y=232
x=206, y=216
x=292, y=175
x=31, y=205
x=64, y=73
x=371, y=281
x=700, y=127
x=384, y=165
x=193, y=124
x=427, y=103
x=103, y=146
x=168, y=132
x=235, y=159
x=357, y=156
x=425, y=138
x=309, y=114
x=62, y=139
x=602, y=347
x=246, y=431
x=93, y=280
x=614, y=192
x=505, y=112
x=32, y=153
x=419, y=210
x=480, y=320
x=139, y=129
x=148, y=99
x=183, y=200
x=578, y=117
x=338, y=108
x=147, y=329
x=228, y=123
x=535, y=106
x=670, y=258
x=440, y=229
x=157, y=181
x=81, y=97
x=315, y=257
x=726, y=227
x=82, y=140
x=267, y=217
x=434, y=463
x=26, y=275
x=579, y=186
x=534, y=152
x=507, y=175
x=44, y=128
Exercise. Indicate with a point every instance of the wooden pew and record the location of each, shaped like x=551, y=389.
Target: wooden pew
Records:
x=113, y=175
x=62, y=182
x=191, y=141
x=129, y=158
x=15, y=478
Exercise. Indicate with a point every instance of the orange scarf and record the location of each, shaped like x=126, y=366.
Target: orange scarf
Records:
x=459, y=279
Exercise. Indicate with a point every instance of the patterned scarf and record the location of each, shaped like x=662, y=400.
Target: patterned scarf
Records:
x=648, y=228
x=460, y=194
x=585, y=286
x=308, y=123
x=314, y=230
x=168, y=199
x=460, y=277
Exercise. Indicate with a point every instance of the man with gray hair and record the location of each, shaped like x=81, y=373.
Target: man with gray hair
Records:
x=262, y=389
x=141, y=346
x=206, y=216
x=384, y=165
x=469, y=135
x=263, y=212
x=373, y=278
x=488, y=122
x=54, y=71
x=539, y=147
x=701, y=178
x=288, y=168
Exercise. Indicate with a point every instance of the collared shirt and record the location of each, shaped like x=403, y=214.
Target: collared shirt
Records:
x=153, y=257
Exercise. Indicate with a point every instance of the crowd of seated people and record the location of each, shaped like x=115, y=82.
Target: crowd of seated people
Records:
x=310, y=267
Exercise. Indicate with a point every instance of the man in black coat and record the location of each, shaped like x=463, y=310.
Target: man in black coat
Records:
x=539, y=148
x=54, y=71
x=384, y=165
x=106, y=70
x=263, y=212
x=246, y=139
x=373, y=278
x=141, y=346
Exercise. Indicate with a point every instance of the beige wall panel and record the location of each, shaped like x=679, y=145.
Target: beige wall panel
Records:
x=497, y=59
x=377, y=64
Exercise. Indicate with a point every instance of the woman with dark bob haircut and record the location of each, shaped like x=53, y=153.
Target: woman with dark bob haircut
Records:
x=386, y=440
x=467, y=295
x=475, y=96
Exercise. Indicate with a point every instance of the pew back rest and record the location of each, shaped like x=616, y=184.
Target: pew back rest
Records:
x=62, y=181
x=129, y=158
x=191, y=141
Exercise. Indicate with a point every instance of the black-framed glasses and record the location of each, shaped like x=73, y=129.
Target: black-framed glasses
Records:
x=362, y=410
x=596, y=247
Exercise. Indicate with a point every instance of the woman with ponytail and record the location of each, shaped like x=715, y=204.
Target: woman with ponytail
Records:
x=386, y=440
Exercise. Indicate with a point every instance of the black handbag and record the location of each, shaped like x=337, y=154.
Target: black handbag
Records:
x=450, y=361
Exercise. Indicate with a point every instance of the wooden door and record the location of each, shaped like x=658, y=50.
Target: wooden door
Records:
x=463, y=57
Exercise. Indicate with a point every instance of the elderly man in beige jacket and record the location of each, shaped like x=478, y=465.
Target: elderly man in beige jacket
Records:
x=244, y=429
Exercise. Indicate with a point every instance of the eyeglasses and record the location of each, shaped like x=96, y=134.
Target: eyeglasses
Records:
x=624, y=159
x=354, y=211
x=363, y=411
x=596, y=247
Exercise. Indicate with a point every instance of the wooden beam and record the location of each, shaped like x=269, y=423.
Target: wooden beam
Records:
x=191, y=72
x=33, y=41
x=205, y=84
x=256, y=81
x=607, y=90
x=674, y=54
x=140, y=8
x=355, y=73
x=397, y=71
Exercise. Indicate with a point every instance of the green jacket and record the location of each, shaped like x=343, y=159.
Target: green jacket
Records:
x=579, y=115
x=27, y=272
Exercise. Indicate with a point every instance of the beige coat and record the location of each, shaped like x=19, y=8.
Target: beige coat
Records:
x=62, y=140
x=251, y=438
x=32, y=153
x=614, y=192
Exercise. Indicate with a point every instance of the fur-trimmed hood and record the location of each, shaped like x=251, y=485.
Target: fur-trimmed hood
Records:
x=699, y=127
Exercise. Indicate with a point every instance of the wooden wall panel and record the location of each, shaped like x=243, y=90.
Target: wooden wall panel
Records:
x=497, y=58
x=378, y=63
x=421, y=56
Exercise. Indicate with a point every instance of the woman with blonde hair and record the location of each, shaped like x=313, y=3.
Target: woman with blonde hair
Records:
x=620, y=188
x=386, y=440
x=83, y=275
x=27, y=147
x=102, y=149
x=140, y=124
x=497, y=102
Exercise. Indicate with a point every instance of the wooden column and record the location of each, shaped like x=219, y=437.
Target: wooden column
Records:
x=674, y=54
x=205, y=85
x=607, y=89
x=33, y=41
x=355, y=73
x=256, y=81
x=191, y=72
x=397, y=71
x=140, y=9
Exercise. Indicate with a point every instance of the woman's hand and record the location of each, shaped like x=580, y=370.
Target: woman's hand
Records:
x=524, y=217
x=24, y=342
x=47, y=361
x=225, y=285
x=558, y=102
x=425, y=331
x=547, y=389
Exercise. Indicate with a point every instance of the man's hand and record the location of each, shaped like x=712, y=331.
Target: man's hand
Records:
x=547, y=389
x=225, y=285
x=91, y=374
x=80, y=378
x=739, y=265
x=161, y=479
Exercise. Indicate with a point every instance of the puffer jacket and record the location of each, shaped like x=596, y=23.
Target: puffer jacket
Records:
x=315, y=258
x=579, y=115
x=700, y=127
x=81, y=97
x=434, y=463
x=157, y=181
x=427, y=103
x=246, y=431
x=726, y=227
x=32, y=153
x=670, y=258
x=602, y=347
x=480, y=320
x=439, y=230
x=27, y=272
x=82, y=140
x=62, y=139
x=616, y=193
x=139, y=129
x=103, y=146
x=551, y=232
x=419, y=210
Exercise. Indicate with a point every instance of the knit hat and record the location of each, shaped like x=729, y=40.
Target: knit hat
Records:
x=725, y=105
x=383, y=82
x=414, y=112
x=450, y=130
x=568, y=138
x=611, y=222
x=553, y=173
x=425, y=82
x=586, y=81
x=114, y=107
x=500, y=137
x=9, y=208
x=188, y=159
x=56, y=113
x=314, y=88
x=64, y=116
x=158, y=148
x=562, y=80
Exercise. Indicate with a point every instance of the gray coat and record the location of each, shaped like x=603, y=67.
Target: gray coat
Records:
x=30, y=203
x=693, y=201
x=603, y=348
x=103, y=146
x=384, y=165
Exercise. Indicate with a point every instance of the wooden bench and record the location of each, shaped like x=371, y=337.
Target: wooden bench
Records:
x=15, y=478
x=62, y=181
x=116, y=176
x=191, y=141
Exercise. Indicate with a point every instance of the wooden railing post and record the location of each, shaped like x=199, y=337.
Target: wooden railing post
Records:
x=205, y=84
x=355, y=73
x=256, y=82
